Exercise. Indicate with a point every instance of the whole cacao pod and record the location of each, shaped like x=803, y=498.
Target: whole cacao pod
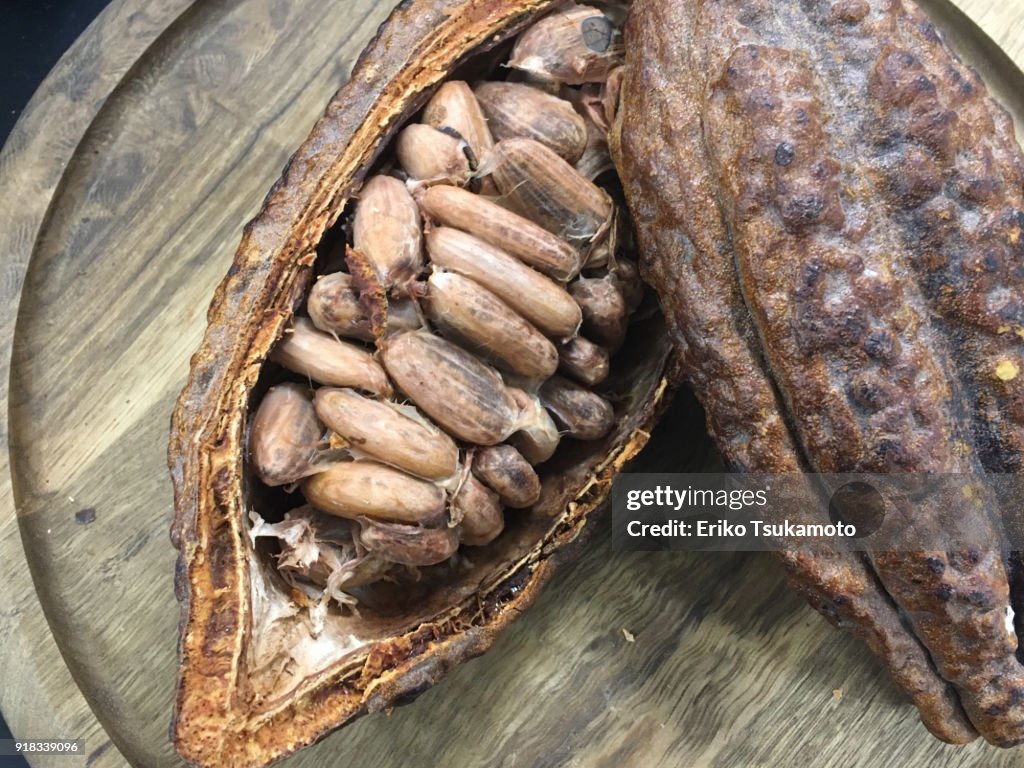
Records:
x=818, y=182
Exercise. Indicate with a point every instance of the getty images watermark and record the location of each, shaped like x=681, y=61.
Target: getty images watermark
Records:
x=850, y=512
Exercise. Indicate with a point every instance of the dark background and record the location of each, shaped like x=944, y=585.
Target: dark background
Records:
x=33, y=36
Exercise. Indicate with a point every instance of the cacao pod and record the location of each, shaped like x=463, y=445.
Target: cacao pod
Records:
x=241, y=622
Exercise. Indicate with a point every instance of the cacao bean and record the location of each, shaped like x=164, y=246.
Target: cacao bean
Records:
x=333, y=306
x=408, y=544
x=590, y=100
x=284, y=435
x=501, y=227
x=626, y=276
x=584, y=414
x=386, y=230
x=504, y=470
x=432, y=156
x=545, y=189
x=537, y=298
x=481, y=321
x=596, y=158
x=576, y=45
x=380, y=430
x=602, y=253
x=352, y=489
x=584, y=361
x=517, y=110
x=536, y=436
x=455, y=107
x=605, y=315
x=326, y=360
x=478, y=512
x=466, y=397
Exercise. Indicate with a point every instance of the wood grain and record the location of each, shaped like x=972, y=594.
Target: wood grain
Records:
x=128, y=180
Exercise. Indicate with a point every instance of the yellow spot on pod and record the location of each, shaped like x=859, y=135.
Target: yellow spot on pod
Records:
x=1006, y=370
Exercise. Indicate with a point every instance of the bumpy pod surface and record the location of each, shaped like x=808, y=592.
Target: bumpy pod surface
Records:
x=830, y=206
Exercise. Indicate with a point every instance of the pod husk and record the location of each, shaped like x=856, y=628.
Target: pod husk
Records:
x=731, y=111
x=228, y=711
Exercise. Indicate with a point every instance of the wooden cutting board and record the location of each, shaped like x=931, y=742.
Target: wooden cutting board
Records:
x=125, y=187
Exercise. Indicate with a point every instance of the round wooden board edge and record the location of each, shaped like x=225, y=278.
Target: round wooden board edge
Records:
x=37, y=694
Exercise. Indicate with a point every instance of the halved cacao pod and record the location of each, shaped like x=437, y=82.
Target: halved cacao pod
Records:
x=255, y=681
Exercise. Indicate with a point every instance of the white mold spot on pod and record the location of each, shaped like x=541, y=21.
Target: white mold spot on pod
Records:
x=467, y=398
x=381, y=431
x=284, y=435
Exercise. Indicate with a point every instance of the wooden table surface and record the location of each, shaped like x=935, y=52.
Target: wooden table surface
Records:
x=125, y=186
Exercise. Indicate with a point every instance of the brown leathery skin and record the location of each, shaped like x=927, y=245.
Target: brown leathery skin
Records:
x=847, y=337
x=969, y=172
x=686, y=240
x=215, y=723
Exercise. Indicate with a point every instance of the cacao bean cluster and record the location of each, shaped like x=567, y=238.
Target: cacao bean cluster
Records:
x=463, y=324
